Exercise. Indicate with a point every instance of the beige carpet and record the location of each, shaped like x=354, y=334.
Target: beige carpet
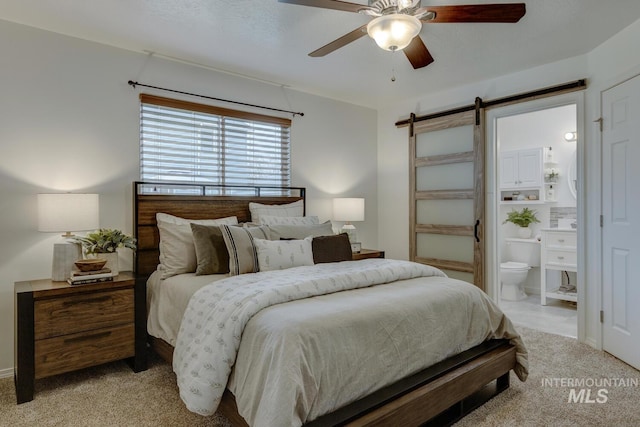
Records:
x=111, y=395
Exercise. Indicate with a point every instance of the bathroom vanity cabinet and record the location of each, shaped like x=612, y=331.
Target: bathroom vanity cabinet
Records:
x=558, y=254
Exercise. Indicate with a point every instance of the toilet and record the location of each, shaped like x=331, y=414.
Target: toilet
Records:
x=522, y=255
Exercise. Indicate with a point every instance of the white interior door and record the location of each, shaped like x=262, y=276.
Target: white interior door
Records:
x=621, y=221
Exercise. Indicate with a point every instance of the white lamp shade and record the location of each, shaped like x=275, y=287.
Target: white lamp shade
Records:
x=394, y=31
x=68, y=212
x=348, y=209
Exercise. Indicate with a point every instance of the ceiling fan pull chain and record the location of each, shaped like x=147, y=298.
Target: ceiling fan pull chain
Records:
x=393, y=66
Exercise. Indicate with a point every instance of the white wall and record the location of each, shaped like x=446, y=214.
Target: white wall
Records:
x=69, y=122
x=604, y=66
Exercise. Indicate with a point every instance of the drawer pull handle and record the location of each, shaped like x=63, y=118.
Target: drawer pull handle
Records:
x=87, y=337
x=561, y=240
x=87, y=301
x=560, y=257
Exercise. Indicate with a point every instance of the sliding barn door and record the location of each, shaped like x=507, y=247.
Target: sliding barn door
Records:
x=447, y=194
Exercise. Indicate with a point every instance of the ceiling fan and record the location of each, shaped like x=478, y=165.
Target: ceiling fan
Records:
x=397, y=23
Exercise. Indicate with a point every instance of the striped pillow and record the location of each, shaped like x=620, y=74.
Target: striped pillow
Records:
x=243, y=257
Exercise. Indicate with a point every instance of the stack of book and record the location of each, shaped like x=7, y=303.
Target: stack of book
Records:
x=83, y=277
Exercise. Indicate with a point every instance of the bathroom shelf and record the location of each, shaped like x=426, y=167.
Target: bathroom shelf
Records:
x=522, y=202
x=562, y=296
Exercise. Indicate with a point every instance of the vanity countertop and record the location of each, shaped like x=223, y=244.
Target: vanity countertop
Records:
x=558, y=229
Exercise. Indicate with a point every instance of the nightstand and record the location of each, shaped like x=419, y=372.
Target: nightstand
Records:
x=368, y=253
x=61, y=328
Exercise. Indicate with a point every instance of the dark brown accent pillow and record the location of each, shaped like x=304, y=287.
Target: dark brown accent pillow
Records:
x=331, y=248
x=211, y=252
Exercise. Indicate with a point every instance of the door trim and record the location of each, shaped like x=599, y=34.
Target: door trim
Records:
x=492, y=221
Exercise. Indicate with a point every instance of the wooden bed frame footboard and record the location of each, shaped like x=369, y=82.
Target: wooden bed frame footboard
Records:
x=448, y=386
x=452, y=387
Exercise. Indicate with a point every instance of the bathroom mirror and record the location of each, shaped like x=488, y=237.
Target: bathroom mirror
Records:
x=572, y=176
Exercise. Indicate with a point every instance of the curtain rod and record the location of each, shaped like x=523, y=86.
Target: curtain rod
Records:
x=575, y=85
x=134, y=84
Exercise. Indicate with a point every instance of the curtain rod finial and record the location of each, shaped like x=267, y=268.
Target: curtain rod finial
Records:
x=132, y=83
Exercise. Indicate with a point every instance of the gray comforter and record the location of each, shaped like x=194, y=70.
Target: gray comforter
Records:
x=305, y=341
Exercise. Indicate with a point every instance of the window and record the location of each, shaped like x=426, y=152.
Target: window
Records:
x=186, y=142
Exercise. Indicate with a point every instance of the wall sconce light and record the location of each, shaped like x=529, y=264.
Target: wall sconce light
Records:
x=348, y=210
x=570, y=136
x=67, y=212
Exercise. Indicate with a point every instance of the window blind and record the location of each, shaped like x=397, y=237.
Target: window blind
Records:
x=187, y=142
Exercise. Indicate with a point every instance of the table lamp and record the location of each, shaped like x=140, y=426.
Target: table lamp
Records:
x=67, y=212
x=348, y=210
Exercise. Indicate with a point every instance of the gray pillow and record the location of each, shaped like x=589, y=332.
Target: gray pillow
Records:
x=211, y=251
x=300, y=231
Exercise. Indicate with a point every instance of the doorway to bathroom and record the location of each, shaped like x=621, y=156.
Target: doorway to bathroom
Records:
x=534, y=212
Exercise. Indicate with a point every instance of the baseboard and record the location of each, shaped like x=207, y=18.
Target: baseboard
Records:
x=6, y=373
x=592, y=342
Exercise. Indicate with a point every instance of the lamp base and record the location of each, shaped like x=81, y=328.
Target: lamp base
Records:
x=350, y=230
x=64, y=255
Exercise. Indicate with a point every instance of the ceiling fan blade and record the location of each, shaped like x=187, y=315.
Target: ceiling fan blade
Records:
x=342, y=41
x=329, y=4
x=503, y=12
x=417, y=53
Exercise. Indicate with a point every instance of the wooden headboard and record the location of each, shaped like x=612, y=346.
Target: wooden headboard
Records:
x=193, y=201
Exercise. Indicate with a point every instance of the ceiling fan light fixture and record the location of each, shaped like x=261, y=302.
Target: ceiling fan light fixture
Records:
x=394, y=31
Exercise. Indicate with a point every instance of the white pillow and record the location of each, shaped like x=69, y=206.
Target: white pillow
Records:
x=165, y=217
x=177, y=250
x=291, y=209
x=288, y=220
x=282, y=254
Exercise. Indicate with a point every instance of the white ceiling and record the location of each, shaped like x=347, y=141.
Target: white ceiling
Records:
x=270, y=41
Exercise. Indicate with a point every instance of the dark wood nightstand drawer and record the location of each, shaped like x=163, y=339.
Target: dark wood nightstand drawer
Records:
x=70, y=352
x=83, y=312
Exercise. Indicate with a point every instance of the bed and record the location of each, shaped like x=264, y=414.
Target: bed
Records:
x=403, y=393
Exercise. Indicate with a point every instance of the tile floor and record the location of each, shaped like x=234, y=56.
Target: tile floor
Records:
x=557, y=317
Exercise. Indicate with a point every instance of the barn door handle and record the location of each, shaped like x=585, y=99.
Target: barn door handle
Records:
x=475, y=230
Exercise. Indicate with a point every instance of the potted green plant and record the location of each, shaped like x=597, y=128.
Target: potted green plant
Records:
x=104, y=243
x=522, y=219
x=551, y=175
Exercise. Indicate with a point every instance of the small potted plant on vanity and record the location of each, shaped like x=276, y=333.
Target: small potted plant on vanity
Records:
x=104, y=243
x=522, y=219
